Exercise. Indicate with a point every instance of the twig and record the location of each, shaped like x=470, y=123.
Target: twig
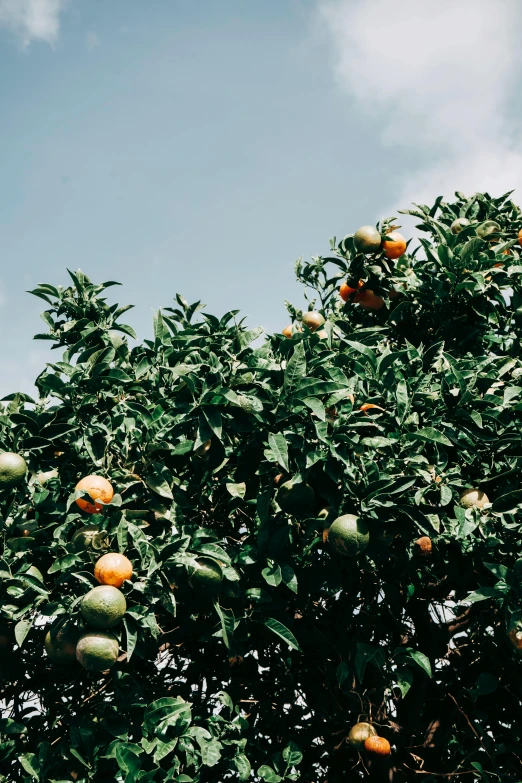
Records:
x=440, y=774
x=96, y=693
x=472, y=727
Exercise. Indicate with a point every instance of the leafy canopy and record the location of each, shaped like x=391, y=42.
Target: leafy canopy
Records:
x=262, y=675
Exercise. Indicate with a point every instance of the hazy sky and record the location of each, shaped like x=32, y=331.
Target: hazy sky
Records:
x=201, y=146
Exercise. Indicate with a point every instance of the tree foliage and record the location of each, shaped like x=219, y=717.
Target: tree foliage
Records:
x=196, y=429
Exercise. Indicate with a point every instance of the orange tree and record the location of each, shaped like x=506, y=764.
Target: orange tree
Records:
x=317, y=571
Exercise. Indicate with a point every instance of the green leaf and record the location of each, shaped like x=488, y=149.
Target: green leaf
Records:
x=419, y=658
x=279, y=449
x=21, y=630
x=213, y=417
x=272, y=574
x=316, y=406
x=131, y=633
x=506, y=503
x=367, y=653
x=237, y=490
x=158, y=479
x=431, y=435
x=404, y=680
x=483, y=593
x=227, y=620
x=210, y=752
x=471, y=249
x=296, y=368
x=31, y=765
x=401, y=395
x=292, y=754
x=242, y=766
x=281, y=630
x=289, y=577
x=267, y=774
x=245, y=338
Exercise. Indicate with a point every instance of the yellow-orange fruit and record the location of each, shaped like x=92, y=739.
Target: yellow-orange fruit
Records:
x=99, y=489
x=346, y=291
x=113, y=569
x=379, y=746
x=395, y=245
x=424, y=546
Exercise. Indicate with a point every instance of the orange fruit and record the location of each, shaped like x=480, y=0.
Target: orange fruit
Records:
x=395, y=245
x=113, y=569
x=288, y=331
x=359, y=733
x=368, y=300
x=379, y=746
x=424, y=546
x=99, y=489
x=313, y=320
x=519, y=235
x=346, y=291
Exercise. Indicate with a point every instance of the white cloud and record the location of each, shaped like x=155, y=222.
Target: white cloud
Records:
x=32, y=20
x=439, y=77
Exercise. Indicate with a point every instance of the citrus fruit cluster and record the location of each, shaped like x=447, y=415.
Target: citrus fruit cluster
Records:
x=363, y=736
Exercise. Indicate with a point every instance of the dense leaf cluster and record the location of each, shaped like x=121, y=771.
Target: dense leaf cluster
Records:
x=196, y=429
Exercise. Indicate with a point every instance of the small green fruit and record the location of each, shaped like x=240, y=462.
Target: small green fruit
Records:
x=97, y=651
x=296, y=499
x=367, y=240
x=473, y=498
x=349, y=535
x=206, y=574
x=488, y=228
x=459, y=225
x=13, y=469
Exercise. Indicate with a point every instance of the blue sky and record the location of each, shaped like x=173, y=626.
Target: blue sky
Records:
x=201, y=146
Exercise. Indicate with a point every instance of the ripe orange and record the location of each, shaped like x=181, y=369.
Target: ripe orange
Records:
x=379, y=746
x=519, y=235
x=424, y=546
x=346, y=291
x=368, y=300
x=288, y=331
x=99, y=489
x=113, y=569
x=395, y=245
x=313, y=320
